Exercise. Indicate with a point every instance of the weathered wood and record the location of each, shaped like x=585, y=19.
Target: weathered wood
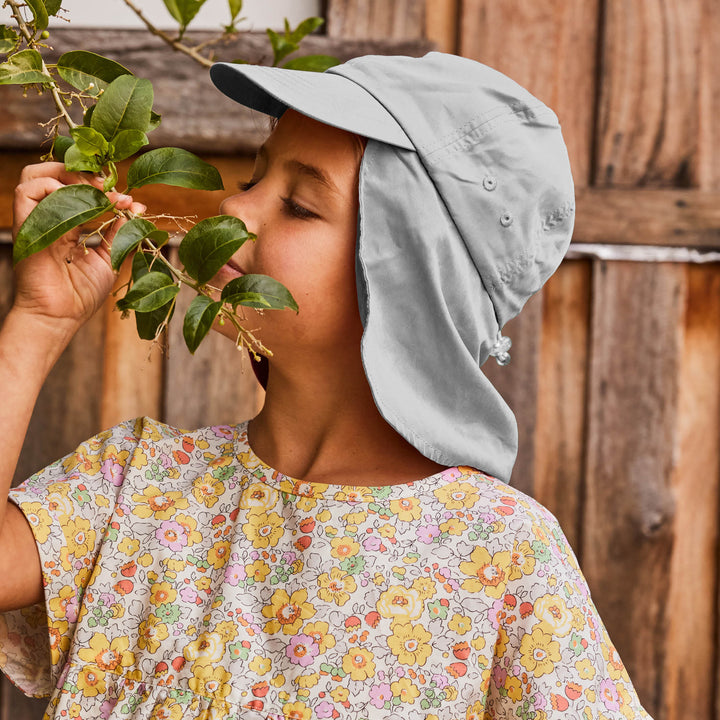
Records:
x=441, y=24
x=629, y=512
x=15, y=706
x=559, y=442
x=215, y=385
x=687, y=673
x=195, y=114
x=364, y=19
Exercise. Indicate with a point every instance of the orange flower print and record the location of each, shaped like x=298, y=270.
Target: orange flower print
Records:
x=539, y=652
x=287, y=612
x=488, y=574
x=359, y=664
x=161, y=505
x=162, y=592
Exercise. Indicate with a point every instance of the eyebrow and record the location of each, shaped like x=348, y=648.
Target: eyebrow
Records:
x=310, y=171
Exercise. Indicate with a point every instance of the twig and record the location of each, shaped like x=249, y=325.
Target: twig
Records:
x=29, y=38
x=176, y=44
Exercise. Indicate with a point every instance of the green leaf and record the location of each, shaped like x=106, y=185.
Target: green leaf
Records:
x=173, y=166
x=235, y=9
x=8, y=39
x=125, y=105
x=208, y=245
x=129, y=236
x=24, y=68
x=183, y=10
x=112, y=178
x=247, y=289
x=145, y=262
x=40, y=13
x=52, y=6
x=57, y=213
x=198, y=320
x=147, y=323
x=281, y=46
x=88, y=141
x=154, y=121
x=77, y=161
x=127, y=143
x=83, y=69
x=87, y=116
x=60, y=147
x=312, y=63
x=304, y=28
x=150, y=292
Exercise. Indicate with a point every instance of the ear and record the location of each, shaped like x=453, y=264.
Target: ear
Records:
x=261, y=369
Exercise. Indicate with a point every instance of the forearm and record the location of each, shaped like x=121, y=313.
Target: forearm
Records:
x=29, y=347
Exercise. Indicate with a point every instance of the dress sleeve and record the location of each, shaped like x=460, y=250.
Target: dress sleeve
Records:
x=69, y=506
x=553, y=655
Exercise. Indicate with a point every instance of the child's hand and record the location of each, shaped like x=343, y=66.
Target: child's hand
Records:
x=62, y=283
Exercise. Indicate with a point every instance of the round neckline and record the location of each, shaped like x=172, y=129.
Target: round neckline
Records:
x=336, y=491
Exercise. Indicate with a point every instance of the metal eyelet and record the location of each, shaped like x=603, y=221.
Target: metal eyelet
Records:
x=506, y=219
x=489, y=182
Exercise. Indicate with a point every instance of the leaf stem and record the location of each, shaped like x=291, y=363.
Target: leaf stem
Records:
x=173, y=42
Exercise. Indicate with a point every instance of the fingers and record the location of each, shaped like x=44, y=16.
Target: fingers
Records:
x=57, y=170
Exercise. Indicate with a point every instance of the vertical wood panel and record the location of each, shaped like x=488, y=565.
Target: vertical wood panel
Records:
x=441, y=24
x=635, y=353
x=376, y=19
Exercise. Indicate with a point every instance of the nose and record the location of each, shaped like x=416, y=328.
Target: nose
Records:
x=241, y=206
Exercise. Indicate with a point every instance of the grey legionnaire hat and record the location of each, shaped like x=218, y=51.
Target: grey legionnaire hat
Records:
x=466, y=208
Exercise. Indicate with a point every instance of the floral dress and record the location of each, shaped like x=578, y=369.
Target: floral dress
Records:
x=186, y=579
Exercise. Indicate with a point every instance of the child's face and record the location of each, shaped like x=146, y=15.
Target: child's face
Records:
x=302, y=203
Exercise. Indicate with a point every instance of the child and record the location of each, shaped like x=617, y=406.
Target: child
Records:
x=353, y=551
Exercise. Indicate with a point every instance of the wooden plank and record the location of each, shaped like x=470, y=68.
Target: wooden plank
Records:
x=559, y=442
x=216, y=385
x=375, y=19
x=517, y=383
x=629, y=511
x=442, y=21
x=195, y=115
x=688, y=673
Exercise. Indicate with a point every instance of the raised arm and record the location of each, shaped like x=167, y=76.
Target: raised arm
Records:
x=56, y=291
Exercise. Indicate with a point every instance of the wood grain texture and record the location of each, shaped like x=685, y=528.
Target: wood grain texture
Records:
x=441, y=24
x=216, y=385
x=630, y=508
x=195, y=114
x=376, y=19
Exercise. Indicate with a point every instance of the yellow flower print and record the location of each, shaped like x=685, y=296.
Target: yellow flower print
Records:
x=453, y=526
x=208, y=489
x=203, y=583
x=58, y=605
x=450, y=692
x=59, y=641
x=139, y=459
x=210, y=681
x=263, y=530
x=170, y=710
x=162, y=505
x=478, y=643
x=151, y=633
x=39, y=520
x=355, y=518
x=208, y=648
x=162, y=592
x=260, y=665
x=457, y=495
x=614, y=663
x=406, y=509
x=425, y=587
x=578, y=622
x=86, y=462
x=501, y=642
x=80, y=538
x=189, y=524
x=259, y=496
x=297, y=711
x=477, y=711
x=108, y=654
x=344, y=547
x=354, y=494
x=336, y=587
x=60, y=504
x=287, y=612
x=539, y=652
x=400, y=603
x=514, y=688
x=129, y=546
x=340, y=694
x=409, y=643
x=91, y=681
x=227, y=630
x=359, y=664
x=320, y=633
x=257, y=570
x=406, y=690
x=219, y=554
x=307, y=681
x=487, y=573
x=387, y=530
x=522, y=559
x=461, y=624
x=554, y=613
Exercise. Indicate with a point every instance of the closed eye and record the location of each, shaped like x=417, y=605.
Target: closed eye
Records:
x=290, y=206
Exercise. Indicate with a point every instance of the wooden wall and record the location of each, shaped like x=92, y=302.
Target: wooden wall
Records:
x=615, y=372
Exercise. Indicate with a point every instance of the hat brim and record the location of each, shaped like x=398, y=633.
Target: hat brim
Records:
x=329, y=98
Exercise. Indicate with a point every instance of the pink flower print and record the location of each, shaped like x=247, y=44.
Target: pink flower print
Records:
x=234, y=574
x=380, y=694
x=427, y=533
x=324, y=709
x=165, y=461
x=499, y=675
x=188, y=595
x=289, y=557
x=609, y=694
x=450, y=474
x=302, y=649
x=112, y=471
x=222, y=431
x=440, y=681
x=172, y=535
x=372, y=543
